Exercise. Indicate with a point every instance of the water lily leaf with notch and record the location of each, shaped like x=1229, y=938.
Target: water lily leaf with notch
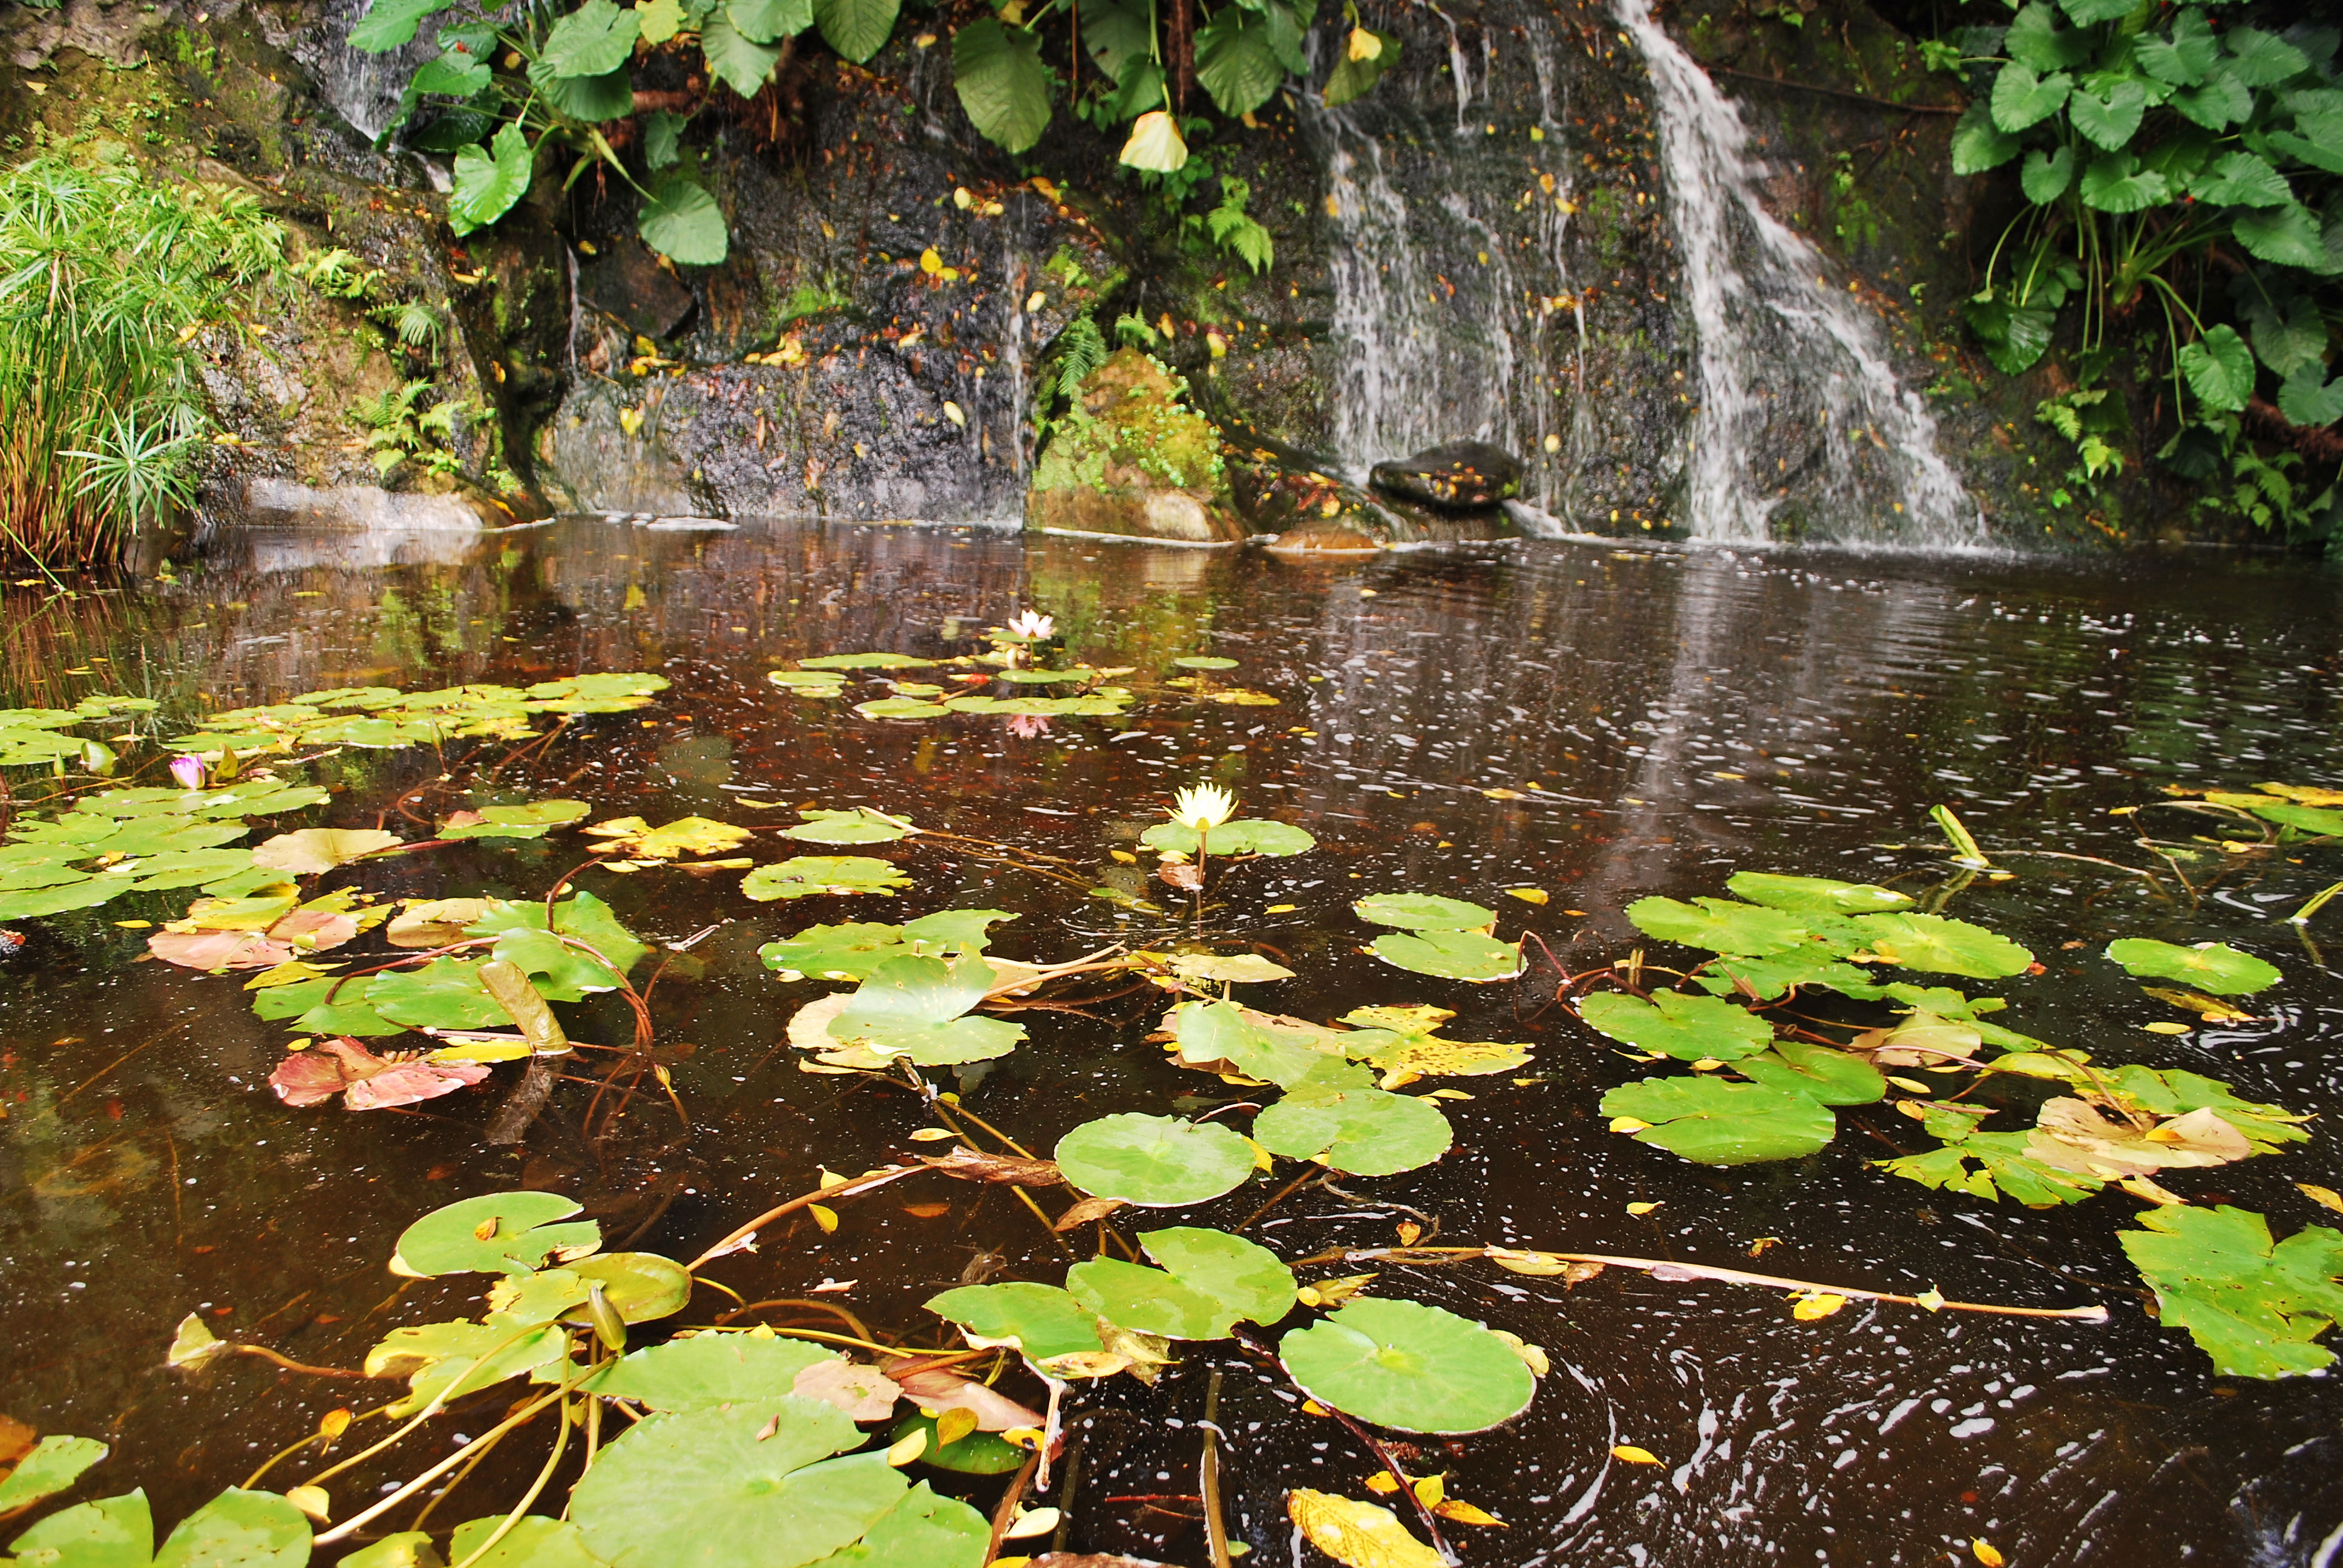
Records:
x=808, y=682
x=533, y=1541
x=365, y=1081
x=1423, y=912
x=455, y=1359
x=2003, y=1165
x=804, y=875
x=1406, y=1039
x=2215, y=967
x=1722, y=925
x=1245, y=836
x=1450, y=955
x=866, y=661
x=1830, y=1077
x=533, y=820
x=582, y=915
x=1712, y=1121
x=672, y=841
x=708, y=1370
x=1155, y=1162
x=1687, y=1027
x=860, y=826
x=1209, y=1280
x=2253, y=1304
x=246, y=1529
x=1213, y=1032
x=642, y=1287
x=557, y=971
x=494, y=1234
x=1408, y=1366
x=1939, y=946
x=308, y=851
x=901, y=707
x=444, y=993
x=1229, y=968
x=850, y=950
x=754, y=1484
x=2176, y=1091
x=1359, y=1132
x=922, y=1530
x=82, y=893
x=306, y=1003
x=1769, y=979
x=1042, y=1321
x=56, y=1463
x=1815, y=895
x=918, y=1009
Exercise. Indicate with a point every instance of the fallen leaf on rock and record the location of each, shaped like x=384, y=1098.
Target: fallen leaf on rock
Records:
x=365, y=1081
x=1357, y=1535
x=218, y=950
x=863, y=1392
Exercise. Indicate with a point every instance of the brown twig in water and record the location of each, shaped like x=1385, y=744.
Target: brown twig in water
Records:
x=1006, y=1515
x=1208, y=1478
x=844, y=1189
x=1283, y=1193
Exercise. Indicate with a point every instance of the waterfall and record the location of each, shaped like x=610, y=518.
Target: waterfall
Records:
x=364, y=89
x=1793, y=372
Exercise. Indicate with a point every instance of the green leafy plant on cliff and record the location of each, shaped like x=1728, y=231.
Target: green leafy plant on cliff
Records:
x=2178, y=171
x=402, y=426
x=107, y=280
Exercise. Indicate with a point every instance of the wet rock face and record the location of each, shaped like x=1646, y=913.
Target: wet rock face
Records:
x=1133, y=458
x=1457, y=477
x=1301, y=509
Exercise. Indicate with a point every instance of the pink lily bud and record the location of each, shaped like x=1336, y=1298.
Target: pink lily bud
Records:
x=189, y=770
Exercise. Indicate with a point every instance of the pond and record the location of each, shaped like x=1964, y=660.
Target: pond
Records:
x=1552, y=730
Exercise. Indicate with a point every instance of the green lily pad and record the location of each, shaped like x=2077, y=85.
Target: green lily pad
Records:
x=1204, y=661
x=1209, y=1032
x=2316, y=821
x=1245, y=836
x=745, y=1487
x=2174, y=1091
x=1769, y=979
x=918, y=1009
x=1042, y=1321
x=806, y=875
x=1722, y=925
x=924, y=1531
x=1359, y=1132
x=446, y=1361
x=1940, y=946
x=852, y=949
x=642, y=1286
x=866, y=661
x=1450, y=955
x=708, y=1370
x=1209, y=1280
x=83, y=893
x=534, y=1541
x=1040, y=677
x=2215, y=967
x=445, y=993
x=808, y=682
x=582, y=915
x=1815, y=895
x=449, y=1242
x=2253, y=1305
x=237, y=1529
x=970, y=1454
x=1155, y=1162
x=533, y=820
x=1716, y=1122
x=56, y=1463
x=1827, y=1076
x=1687, y=1027
x=306, y=1003
x=1249, y=1277
x=1988, y=1165
x=860, y=826
x=1423, y=912
x=109, y=1532
x=558, y=971
x=901, y=708
x=1405, y=1365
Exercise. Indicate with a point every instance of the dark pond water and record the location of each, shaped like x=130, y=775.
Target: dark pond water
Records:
x=1666, y=719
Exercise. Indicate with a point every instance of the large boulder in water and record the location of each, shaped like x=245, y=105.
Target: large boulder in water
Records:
x=1131, y=458
x=1302, y=509
x=1458, y=477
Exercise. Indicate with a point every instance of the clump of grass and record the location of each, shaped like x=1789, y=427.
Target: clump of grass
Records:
x=107, y=278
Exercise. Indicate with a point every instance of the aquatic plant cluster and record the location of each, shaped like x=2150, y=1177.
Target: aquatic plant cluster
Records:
x=768, y=1442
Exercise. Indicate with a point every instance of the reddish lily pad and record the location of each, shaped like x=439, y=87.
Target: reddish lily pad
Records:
x=365, y=1081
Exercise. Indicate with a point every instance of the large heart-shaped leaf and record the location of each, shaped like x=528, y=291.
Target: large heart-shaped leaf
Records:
x=389, y=25
x=860, y=826
x=2252, y=1304
x=1978, y=145
x=489, y=180
x=708, y=1370
x=1002, y=84
x=1815, y=895
x=1406, y=1365
x=1450, y=955
x=1716, y=1122
x=1234, y=61
x=681, y=220
x=1829, y=1077
x=1042, y=1321
x=808, y=874
x=852, y=949
x=2109, y=118
x=593, y=40
x=1722, y=925
x=2215, y=967
x=56, y=1463
x=857, y=29
x=1424, y=912
x=1156, y=1162
x=915, y=1008
x=496, y=1234
x=2021, y=98
x=2219, y=368
x=1360, y=1131
x=1936, y=945
x=1688, y=1027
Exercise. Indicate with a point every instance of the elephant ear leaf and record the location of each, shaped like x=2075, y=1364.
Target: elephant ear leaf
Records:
x=682, y=221
x=489, y=180
x=857, y=29
x=1003, y=82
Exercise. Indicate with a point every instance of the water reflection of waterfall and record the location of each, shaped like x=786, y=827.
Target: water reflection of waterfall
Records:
x=1802, y=422
x=1442, y=324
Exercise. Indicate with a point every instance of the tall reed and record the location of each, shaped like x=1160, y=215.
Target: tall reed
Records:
x=108, y=276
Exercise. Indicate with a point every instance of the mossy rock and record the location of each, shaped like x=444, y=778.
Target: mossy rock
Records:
x=1133, y=458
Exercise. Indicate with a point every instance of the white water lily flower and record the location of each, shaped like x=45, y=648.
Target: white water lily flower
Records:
x=1155, y=144
x=1032, y=625
x=1365, y=45
x=1202, y=806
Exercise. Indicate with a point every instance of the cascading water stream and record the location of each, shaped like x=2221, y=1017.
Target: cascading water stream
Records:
x=1792, y=371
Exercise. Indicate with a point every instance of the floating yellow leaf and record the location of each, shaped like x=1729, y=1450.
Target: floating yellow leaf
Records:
x=825, y=1218
x=1408, y=1233
x=1931, y=1299
x=1821, y=1305
x=954, y=1424
x=1757, y=1248
x=1986, y=1553
x=311, y=1501
x=684, y=836
x=1528, y=895
x=907, y=1448
x=2326, y=1197
x=1465, y=1513
x=1628, y=1454
x=933, y=1135
x=1627, y=1124
x=1357, y=1535
x=1641, y=1209
x=2164, y=1028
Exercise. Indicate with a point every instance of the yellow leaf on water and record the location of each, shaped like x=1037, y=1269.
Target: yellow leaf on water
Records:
x=1757, y=1248
x=1408, y=1231
x=1430, y=1490
x=1504, y=794
x=1932, y=1299
x=2326, y=1197
x=1357, y=1535
x=1465, y=1513
x=1282, y=909
x=311, y=1501
x=1311, y=1407
x=1986, y=1553
x=1911, y=1085
x=1641, y=1209
x=1528, y=895
x=1821, y=1305
x=1627, y=1124
x=825, y=1218
x=933, y=1135
x=954, y=1424
x=907, y=1449
x=1628, y=1454
x=1381, y=1483
x=2166, y=1028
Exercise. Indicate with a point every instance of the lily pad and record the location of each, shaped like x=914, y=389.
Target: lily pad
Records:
x=531, y=820
x=1721, y=925
x=1221, y=1031
x=1687, y=1027
x=365, y=1081
x=1988, y=1165
x=2254, y=1305
x=924, y=1531
x=1712, y=1121
x=1208, y=1282
x=1450, y=955
x=1769, y=979
x=1359, y=1132
x=860, y=826
x=1204, y=661
x=581, y=915
x=686, y=836
x=1155, y=1162
x=521, y=1231
x=806, y=875
x=1407, y=1040
x=444, y=993
x=1245, y=836
x=746, y=1487
x=1405, y=1365
x=901, y=708
x=1830, y=1077
x=866, y=661
x=976, y=1452
x=534, y=1541
x=237, y=1529
x=1939, y=946
x=1229, y=968
x=852, y=949
x=56, y=1463
x=808, y=682
x=1815, y=895
x=309, y=850
x=1042, y=1321
x=708, y=1370
x=2215, y=967
x=1423, y=912
x=917, y=1008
